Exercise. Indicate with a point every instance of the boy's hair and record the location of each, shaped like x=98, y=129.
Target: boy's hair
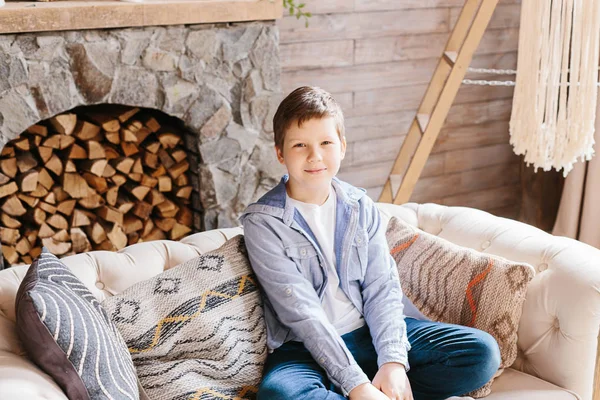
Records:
x=303, y=104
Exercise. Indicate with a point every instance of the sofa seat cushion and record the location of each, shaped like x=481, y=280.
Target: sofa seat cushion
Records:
x=196, y=330
x=517, y=385
x=21, y=379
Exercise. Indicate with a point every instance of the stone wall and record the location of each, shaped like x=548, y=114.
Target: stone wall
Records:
x=222, y=81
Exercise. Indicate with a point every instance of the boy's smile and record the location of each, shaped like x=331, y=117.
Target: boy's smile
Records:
x=312, y=154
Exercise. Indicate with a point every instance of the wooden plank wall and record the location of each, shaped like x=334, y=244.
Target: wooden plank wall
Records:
x=376, y=57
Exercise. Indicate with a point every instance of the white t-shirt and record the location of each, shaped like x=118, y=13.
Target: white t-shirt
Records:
x=321, y=219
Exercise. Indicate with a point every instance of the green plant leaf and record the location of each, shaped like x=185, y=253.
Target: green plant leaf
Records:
x=295, y=9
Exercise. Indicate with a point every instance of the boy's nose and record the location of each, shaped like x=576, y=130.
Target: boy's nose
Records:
x=314, y=156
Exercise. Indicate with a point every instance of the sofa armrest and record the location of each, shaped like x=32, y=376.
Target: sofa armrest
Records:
x=558, y=331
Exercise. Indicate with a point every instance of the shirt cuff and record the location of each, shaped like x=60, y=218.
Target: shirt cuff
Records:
x=394, y=353
x=350, y=378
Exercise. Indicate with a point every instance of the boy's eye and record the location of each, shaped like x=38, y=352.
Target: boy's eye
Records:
x=327, y=142
x=299, y=145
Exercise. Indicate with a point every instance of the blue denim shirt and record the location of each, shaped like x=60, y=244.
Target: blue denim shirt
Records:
x=290, y=268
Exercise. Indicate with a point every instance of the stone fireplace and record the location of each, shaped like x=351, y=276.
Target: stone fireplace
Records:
x=219, y=79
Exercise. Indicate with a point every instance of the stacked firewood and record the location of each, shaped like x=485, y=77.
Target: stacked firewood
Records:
x=101, y=178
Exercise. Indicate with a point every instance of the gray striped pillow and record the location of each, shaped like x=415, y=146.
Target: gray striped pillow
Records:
x=67, y=333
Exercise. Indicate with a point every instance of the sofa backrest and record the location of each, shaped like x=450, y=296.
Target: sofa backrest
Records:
x=558, y=330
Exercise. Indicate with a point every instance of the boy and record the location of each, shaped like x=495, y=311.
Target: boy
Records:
x=333, y=302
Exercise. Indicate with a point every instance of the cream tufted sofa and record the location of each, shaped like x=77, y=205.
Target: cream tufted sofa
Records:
x=557, y=334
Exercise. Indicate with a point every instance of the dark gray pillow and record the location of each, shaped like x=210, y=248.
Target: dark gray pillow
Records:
x=67, y=333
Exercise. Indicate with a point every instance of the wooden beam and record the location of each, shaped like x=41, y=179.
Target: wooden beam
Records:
x=33, y=16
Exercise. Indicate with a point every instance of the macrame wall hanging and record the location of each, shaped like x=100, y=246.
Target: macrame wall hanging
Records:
x=554, y=103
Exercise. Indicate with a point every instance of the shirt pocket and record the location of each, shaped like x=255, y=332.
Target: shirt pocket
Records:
x=359, y=256
x=307, y=260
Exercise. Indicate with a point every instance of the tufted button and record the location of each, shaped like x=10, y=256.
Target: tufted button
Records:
x=542, y=267
x=485, y=244
x=100, y=285
x=303, y=252
x=288, y=291
x=556, y=324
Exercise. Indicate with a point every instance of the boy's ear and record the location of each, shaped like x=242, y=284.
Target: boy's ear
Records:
x=279, y=154
x=343, y=147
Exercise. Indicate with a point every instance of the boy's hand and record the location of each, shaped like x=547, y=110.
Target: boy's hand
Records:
x=366, y=391
x=391, y=379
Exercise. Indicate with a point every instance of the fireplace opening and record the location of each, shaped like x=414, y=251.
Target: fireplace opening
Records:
x=98, y=177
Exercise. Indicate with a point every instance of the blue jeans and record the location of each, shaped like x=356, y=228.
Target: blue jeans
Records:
x=445, y=360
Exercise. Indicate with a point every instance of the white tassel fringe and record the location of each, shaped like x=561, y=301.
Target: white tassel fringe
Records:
x=554, y=103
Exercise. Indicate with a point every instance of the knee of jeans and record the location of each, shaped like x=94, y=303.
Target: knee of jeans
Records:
x=276, y=389
x=488, y=354
x=268, y=390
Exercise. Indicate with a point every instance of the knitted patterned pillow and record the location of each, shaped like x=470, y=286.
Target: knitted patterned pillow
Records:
x=458, y=285
x=196, y=330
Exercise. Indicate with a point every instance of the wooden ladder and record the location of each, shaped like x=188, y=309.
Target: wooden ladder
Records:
x=447, y=78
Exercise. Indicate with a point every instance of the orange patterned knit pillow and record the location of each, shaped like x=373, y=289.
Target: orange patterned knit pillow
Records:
x=458, y=285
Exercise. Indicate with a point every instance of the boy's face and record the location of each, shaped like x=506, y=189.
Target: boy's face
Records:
x=312, y=154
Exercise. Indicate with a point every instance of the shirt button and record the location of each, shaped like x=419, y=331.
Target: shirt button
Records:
x=303, y=252
x=288, y=291
x=359, y=240
x=322, y=360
